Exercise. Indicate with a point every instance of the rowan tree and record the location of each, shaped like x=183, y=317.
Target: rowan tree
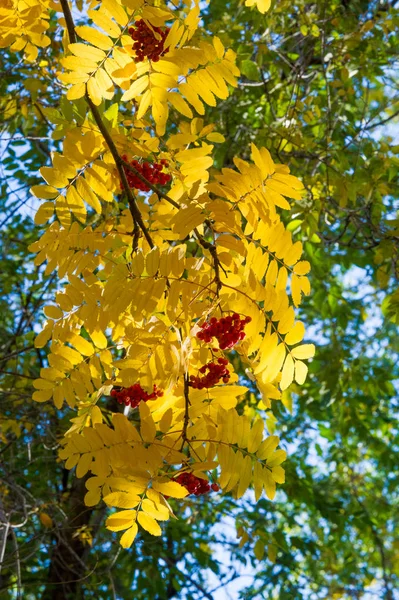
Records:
x=170, y=269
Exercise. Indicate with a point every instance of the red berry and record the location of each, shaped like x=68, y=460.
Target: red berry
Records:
x=133, y=395
x=194, y=485
x=227, y=330
x=213, y=372
x=149, y=41
x=152, y=172
x=215, y=487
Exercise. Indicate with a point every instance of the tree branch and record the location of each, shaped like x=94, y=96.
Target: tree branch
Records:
x=136, y=214
x=186, y=409
x=216, y=263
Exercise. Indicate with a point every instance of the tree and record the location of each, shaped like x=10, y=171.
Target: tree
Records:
x=129, y=262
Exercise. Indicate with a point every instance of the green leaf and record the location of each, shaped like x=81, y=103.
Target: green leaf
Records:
x=250, y=70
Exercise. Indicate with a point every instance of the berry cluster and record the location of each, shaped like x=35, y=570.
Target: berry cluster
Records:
x=148, y=41
x=195, y=485
x=227, y=330
x=134, y=394
x=216, y=372
x=151, y=171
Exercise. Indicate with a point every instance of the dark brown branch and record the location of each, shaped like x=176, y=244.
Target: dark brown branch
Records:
x=136, y=214
x=382, y=122
x=216, y=263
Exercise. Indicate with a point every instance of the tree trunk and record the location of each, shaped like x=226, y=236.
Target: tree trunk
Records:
x=67, y=567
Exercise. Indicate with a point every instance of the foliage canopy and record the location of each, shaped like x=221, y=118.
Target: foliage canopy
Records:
x=167, y=211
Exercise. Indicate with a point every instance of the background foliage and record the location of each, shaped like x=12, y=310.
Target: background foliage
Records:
x=319, y=89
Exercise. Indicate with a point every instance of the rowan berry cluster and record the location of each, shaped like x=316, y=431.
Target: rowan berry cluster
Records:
x=216, y=371
x=133, y=395
x=151, y=171
x=227, y=330
x=195, y=485
x=148, y=41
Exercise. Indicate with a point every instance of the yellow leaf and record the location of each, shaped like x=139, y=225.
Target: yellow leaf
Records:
x=102, y=20
x=122, y=500
x=136, y=88
x=216, y=137
x=166, y=421
x=275, y=364
x=43, y=384
x=217, y=44
x=83, y=346
x=138, y=263
x=117, y=11
x=303, y=352
x=75, y=204
x=255, y=436
x=287, y=375
x=94, y=91
x=296, y=290
x=95, y=37
x=95, y=181
x=276, y=458
x=42, y=395
x=44, y=213
x=147, y=429
x=46, y=520
x=85, y=51
x=167, y=67
x=92, y=498
x=301, y=371
x=99, y=339
x=45, y=192
x=129, y=536
x=152, y=262
x=187, y=219
x=149, y=524
x=81, y=67
x=180, y=104
x=269, y=484
x=53, y=312
x=278, y=474
x=170, y=488
x=121, y=520
x=53, y=177
x=69, y=354
x=145, y=103
x=267, y=447
x=88, y=195
x=302, y=267
x=160, y=112
x=96, y=415
x=296, y=334
x=293, y=254
x=265, y=167
x=104, y=83
x=76, y=91
x=174, y=35
x=43, y=337
x=156, y=510
x=83, y=465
